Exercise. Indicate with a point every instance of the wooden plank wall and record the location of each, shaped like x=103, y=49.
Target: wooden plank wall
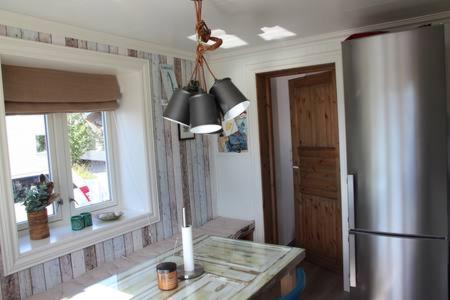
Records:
x=183, y=181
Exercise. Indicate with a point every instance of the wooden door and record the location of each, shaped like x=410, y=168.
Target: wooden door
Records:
x=315, y=150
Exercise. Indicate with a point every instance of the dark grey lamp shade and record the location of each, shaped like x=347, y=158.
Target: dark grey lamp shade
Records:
x=204, y=114
x=231, y=100
x=178, y=108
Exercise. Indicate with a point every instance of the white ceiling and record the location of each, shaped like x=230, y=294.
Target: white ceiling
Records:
x=169, y=22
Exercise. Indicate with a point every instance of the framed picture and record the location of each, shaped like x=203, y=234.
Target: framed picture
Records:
x=184, y=133
x=169, y=80
x=234, y=136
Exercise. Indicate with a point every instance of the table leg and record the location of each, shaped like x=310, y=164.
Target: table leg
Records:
x=288, y=282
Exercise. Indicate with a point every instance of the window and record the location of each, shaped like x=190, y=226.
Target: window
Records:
x=89, y=162
x=28, y=156
x=129, y=145
x=37, y=144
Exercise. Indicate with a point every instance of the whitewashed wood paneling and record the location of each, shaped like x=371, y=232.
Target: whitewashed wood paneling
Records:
x=14, y=32
x=90, y=259
x=26, y=290
x=119, y=247
x=52, y=273
x=100, y=253
x=108, y=250
x=78, y=265
x=137, y=239
x=179, y=174
x=128, y=242
x=3, y=30
x=65, y=264
x=102, y=48
x=45, y=38
x=37, y=279
x=30, y=35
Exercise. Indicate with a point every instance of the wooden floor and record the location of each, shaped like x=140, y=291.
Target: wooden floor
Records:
x=322, y=284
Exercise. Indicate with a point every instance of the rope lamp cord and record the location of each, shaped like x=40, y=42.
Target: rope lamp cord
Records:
x=203, y=37
x=193, y=106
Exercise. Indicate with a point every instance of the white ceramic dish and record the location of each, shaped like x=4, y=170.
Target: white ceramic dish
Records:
x=109, y=215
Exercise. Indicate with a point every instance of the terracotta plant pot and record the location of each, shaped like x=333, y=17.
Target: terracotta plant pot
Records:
x=38, y=225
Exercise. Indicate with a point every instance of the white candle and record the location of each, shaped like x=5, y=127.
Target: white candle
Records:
x=188, y=247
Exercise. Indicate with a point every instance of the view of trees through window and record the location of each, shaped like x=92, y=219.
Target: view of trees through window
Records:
x=41, y=143
x=88, y=157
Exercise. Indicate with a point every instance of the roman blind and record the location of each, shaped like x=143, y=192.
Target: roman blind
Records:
x=36, y=91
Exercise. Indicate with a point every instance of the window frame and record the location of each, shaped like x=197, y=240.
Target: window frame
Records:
x=113, y=172
x=58, y=215
x=60, y=169
x=135, y=120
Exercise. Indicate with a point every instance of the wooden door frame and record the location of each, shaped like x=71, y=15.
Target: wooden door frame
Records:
x=266, y=142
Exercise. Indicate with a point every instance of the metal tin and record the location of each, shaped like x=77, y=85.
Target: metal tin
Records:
x=77, y=223
x=87, y=219
x=167, y=276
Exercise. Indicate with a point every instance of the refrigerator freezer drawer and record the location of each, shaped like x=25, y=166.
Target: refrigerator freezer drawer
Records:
x=399, y=268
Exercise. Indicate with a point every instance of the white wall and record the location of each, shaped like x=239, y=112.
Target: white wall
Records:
x=284, y=178
x=237, y=190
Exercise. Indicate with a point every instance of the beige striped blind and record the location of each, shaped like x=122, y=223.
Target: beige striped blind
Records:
x=36, y=91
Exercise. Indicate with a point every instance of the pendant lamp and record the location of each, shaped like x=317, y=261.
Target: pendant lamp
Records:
x=204, y=114
x=178, y=108
x=191, y=105
x=231, y=100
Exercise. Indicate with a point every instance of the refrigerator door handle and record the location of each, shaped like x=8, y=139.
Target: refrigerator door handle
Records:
x=351, y=200
x=352, y=250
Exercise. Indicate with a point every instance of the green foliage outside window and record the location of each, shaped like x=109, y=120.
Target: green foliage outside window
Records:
x=82, y=137
x=41, y=144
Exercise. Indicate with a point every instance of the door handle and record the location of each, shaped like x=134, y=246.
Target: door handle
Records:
x=351, y=225
x=351, y=200
x=72, y=200
x=352, y=252
x=295, y=167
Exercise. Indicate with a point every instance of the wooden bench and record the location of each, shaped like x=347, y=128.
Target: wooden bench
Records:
x=231, y=228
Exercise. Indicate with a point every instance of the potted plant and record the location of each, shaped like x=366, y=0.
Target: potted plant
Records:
x=36, y=198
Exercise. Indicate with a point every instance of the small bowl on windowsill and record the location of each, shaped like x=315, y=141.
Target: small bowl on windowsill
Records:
x=109, y=216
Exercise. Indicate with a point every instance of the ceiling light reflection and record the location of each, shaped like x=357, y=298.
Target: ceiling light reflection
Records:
x=275, y=33
x=229, y=40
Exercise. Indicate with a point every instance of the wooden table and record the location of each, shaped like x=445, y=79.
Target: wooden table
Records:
x=234, y=269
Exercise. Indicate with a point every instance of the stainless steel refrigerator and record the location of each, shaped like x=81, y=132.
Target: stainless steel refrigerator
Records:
x=397, y=121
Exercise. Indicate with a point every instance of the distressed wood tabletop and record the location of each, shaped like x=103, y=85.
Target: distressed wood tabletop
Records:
x=234, y=269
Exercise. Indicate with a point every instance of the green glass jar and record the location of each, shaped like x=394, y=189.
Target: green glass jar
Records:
x=77, y=222
x=87, y=219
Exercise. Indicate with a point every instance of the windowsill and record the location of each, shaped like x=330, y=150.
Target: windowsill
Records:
x=64, y=240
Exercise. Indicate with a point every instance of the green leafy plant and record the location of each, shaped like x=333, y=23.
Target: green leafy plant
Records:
x=41, y=144
x=35, y=197
x=81, y=136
